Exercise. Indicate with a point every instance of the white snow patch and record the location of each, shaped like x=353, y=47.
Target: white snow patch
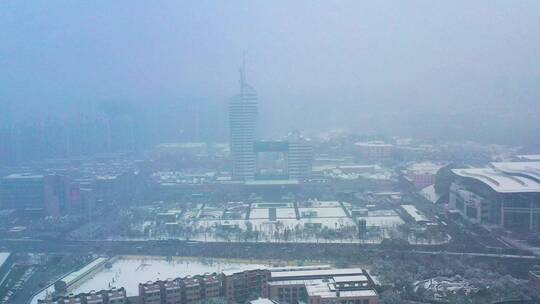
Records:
x=3, y=257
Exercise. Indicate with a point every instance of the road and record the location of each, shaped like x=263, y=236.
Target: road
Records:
x=229, y=249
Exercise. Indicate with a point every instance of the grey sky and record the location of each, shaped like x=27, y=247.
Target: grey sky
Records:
x=342, y=58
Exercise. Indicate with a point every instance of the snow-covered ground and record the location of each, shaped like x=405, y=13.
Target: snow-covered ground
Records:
x=442, y=287
x=259, y=213
x=285, y=213
x=325, y=211
x=129, y=271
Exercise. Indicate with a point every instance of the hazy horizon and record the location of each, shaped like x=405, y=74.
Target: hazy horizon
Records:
x=429, y=69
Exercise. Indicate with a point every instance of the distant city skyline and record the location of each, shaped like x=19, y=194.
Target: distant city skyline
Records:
x=355, y=66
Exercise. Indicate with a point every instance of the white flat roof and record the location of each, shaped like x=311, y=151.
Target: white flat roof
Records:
x=74, y=276
x=322, y=289
x=3, y=257
x=287, y=282
x=528, y=169
x=415, y=213
x=352, y=278
x=500, y=181
x=262, y=301
x=322, y=273
x=357, y=293
x=300, y=268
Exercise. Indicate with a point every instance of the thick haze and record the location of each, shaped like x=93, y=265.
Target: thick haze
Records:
x=459, y=69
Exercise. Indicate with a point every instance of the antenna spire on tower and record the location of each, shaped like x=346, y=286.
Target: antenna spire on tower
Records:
x=243, y=70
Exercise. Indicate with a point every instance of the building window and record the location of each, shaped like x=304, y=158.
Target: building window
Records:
x=471, y=212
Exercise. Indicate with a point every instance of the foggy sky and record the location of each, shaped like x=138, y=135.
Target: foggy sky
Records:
x=316, y=65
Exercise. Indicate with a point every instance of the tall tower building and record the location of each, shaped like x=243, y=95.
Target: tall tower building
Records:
x=243, y=123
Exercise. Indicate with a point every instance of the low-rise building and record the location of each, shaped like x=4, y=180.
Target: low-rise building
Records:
x=192, y=290
x=534, y=278
x=110, y=296
x=211, y=286
x=239, y=286
x=116, y=296
x=150, y=292
x=326, y=286
x=187, y=290
x=504, y=194
x=172, y=292
x=47, y=194
x=288, y=291
x=332, y=291
x=422, y=174
x=374, y=151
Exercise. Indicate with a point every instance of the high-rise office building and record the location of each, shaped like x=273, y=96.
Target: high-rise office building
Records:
x=243, y=123
x=47, y=194
x=300, y=156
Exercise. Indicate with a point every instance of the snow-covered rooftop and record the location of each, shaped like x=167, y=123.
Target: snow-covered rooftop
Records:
x=262, y=301
x=321, y=288
x=315, y=273
x=527, y=169
x=415, y=213
x=502, y=181
x=3, y=257
x=352, y=278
